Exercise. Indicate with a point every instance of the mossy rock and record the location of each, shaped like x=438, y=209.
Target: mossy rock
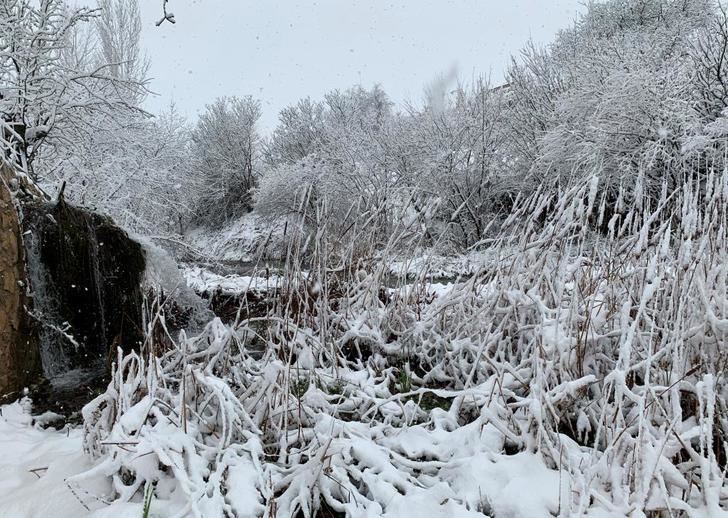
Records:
x=86, y=275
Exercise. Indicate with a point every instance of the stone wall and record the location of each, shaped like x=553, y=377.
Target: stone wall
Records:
x=19, y=355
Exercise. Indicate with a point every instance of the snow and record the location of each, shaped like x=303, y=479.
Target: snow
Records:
x=34, y=133
x=241, y=240
x=35, y=464
x=162, y=274
x=439, y=266
x=514, y=486
x=243, y=479
x=205, y=281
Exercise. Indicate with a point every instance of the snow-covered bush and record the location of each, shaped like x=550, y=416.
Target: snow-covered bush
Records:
x=616, y=95
x=225, y=151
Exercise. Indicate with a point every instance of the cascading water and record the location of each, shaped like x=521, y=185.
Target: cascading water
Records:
x=54, y=359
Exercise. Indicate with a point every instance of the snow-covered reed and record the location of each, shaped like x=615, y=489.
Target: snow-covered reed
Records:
x=578, y=371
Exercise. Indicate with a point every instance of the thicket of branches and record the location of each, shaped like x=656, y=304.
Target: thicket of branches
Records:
x=634, y=89
x=635, y=86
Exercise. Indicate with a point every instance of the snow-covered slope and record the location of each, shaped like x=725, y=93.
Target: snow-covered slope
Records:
x=241, y=240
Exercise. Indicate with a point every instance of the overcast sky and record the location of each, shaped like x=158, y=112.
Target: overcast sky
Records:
x=282, y=50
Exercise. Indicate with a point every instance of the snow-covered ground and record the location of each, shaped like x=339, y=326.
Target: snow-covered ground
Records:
x=241, y=240
x=35, y=466
x=439, y=266
x=45, y=473
x=204, y=281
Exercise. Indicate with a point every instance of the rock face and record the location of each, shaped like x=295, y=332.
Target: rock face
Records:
x=86, y=275
x=19, y=353
x=70, y=292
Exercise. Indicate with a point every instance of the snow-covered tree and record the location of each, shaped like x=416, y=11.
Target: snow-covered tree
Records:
x=83, y=71
x=226, y=149
x=300, y=133
x=457, y=158
x=710, y=55
x=329, y=163
x=118, y=27
x=613, y=96
x=140, y=176
x=51, y=104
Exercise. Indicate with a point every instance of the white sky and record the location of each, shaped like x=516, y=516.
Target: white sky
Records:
x=282, y=50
